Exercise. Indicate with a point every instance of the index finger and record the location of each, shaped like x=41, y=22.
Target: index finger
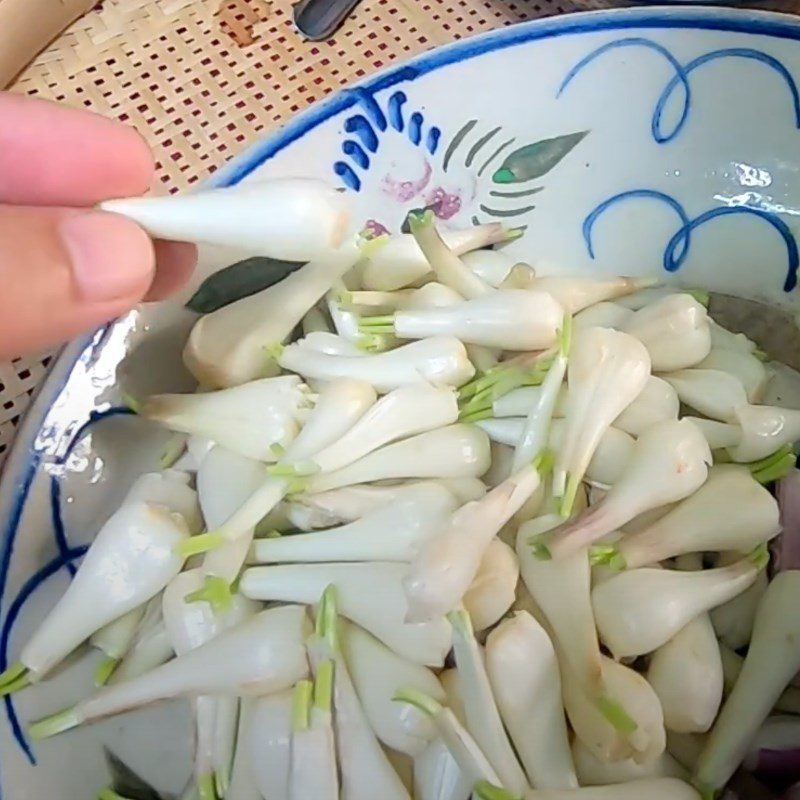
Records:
x=56, y=155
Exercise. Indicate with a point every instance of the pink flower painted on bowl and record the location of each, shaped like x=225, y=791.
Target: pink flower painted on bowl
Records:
x=403, y=191
x=444, y=204
x=373, y=229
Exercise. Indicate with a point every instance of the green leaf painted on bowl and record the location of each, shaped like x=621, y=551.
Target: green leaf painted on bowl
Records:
x=537, y=159
x=239, y=280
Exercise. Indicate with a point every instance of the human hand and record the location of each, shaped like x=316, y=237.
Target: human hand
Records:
x=66, y=267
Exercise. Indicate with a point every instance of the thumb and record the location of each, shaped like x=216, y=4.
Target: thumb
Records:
x=64, y=271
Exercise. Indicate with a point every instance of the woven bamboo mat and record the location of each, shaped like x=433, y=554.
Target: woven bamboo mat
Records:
x=202, y=78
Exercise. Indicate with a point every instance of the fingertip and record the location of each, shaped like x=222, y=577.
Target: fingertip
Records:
x=111, y=258
x=175, y=263
x=134, y=160
x=66, y=271
x=52, y=154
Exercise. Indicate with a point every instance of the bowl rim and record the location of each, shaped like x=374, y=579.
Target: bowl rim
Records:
x=729, y=20
x=27, y=455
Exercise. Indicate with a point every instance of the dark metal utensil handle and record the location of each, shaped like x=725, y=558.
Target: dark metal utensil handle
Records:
x=318, y=19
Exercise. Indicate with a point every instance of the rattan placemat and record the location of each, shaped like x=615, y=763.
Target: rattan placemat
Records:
x=202, y=78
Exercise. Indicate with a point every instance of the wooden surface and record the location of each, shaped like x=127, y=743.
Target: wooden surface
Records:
x=202, y=78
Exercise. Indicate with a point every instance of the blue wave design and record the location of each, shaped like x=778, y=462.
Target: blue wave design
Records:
x=348, y=175
x=371, y=108
x=395, y=109
x=432, y=140
x=65, y=559
x=59, y=529
x=591, y=218
x=677, y=248
x=415, y=128
x=356, y=153
x=671, y=265
x=359, y=125
x=681, y=78
x=17, y=604
x=368, y=127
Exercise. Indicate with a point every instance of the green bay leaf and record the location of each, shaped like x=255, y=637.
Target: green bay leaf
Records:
x=238, y=281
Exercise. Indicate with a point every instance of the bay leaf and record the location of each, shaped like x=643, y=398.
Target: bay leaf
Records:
x=127, y=783
x=238, y=281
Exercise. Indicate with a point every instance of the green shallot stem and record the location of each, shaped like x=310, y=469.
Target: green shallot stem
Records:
x=54, y=724
x=568, y=500
x=369, y=245
x=419, y=220
x=323, y=685
x=105, y=669
x=18, y=685
x=613, y=711
x=508, y=376
x=222, y=781
x=606, y=555
x=377, y=324
x=296, y=486
x=700, y=295
x=462, y=622
x=761, y=355
x=540, y=550
x=129, y=401
x=534, y=378
x=301, y=705
x=414, y=697
x=172, y=451
x=298, y=470
x=488, y=791
x=471, y=388
x=760, y=556
x=481, y=401
x=374, y=342
x=274, y=351
x=565, y=336
x=543, y=462
x=618, y=563
x=601, y=554
x=215, y=591
x=326, y=629
x=478, y=399
x=206, y=788
x=327, y=617
x=768, y=461
x=706, y=792
x=475, y=416
x=342, y=297
x=373, y=330
x=110, y=794
x=777, y=470
x=16, y=677
x=202, y=543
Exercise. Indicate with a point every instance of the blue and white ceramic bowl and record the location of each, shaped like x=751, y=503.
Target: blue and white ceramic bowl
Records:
x=636, y=142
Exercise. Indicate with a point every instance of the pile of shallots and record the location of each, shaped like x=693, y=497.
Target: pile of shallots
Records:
x=472, y=532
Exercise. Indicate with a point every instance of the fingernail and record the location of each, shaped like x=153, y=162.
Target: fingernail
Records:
x=111, y=258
